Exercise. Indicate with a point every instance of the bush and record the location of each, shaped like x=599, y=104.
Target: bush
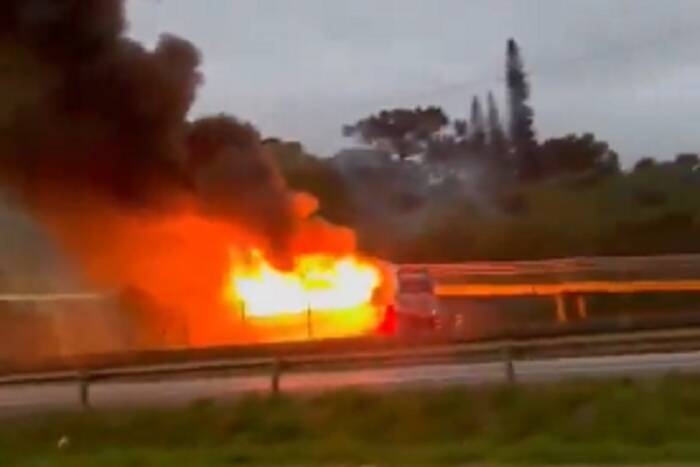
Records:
x=650, y=197
x=568, y=422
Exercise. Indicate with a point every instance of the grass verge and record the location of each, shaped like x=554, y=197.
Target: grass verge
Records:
x=631, y=422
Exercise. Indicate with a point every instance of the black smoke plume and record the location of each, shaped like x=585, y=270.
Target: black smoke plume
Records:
x=88, y=116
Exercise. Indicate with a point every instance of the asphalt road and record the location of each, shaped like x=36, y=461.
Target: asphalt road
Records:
x=183, y=390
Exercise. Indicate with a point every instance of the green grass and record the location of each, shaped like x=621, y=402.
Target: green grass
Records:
x=578, y=422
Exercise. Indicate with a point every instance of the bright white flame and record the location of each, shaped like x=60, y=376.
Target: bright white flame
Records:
x=316, y=282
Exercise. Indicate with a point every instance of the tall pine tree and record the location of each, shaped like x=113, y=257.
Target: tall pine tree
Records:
x=477, y=125
x=498, y=143
x=522, y=133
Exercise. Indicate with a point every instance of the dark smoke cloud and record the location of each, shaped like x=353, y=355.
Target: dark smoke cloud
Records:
x=90, y=114
x=219, y=155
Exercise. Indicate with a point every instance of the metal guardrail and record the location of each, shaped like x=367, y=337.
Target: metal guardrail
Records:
x=506, y=351
x=562, y=279
x=675, y=270
x=657, y=272
x=573, y=287
x=52, y=297
x=655, y=264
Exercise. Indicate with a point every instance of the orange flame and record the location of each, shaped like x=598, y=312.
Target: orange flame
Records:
x=202, y=281
x=320, y=296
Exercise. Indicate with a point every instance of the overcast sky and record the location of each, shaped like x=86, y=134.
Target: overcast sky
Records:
x=627, y=70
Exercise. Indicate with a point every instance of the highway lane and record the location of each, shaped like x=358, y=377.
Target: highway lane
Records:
x=186, y=389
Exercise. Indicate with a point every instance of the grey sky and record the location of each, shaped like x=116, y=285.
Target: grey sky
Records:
x=628, y=70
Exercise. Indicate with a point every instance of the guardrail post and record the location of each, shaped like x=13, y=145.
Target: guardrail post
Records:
x=276, y=376
x=84, y=389
x=560, y=302
x=581, y=306
x=508, y=364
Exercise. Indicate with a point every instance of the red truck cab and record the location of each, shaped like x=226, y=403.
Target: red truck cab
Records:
x=414, y=309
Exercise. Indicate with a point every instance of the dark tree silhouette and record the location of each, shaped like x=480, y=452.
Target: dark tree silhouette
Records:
x=645, y=163
x=576, y=154
x=522, y=133
x=498, y=143
x=461, y=128
x=402, y=131
x=687, y=161
x=477, y=125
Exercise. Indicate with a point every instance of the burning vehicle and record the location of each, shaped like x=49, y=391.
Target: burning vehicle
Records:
x=190, y=214
x=414, y=309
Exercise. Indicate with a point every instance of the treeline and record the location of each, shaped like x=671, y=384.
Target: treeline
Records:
x=508, y=149
x=430, y=188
